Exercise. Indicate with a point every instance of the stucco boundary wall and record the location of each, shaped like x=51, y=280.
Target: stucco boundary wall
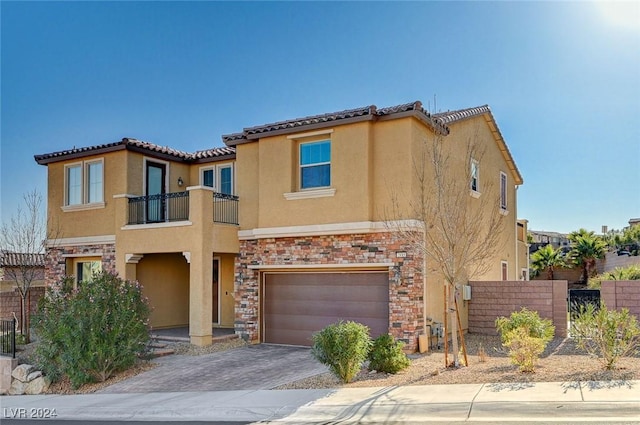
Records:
x=493, y=299
x=10, y=302
x=619, y=294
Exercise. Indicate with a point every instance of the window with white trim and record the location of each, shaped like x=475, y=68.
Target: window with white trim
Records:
x=315, y=164
x=475, y=176
x=219, y=177
x=208, y=176
x=226, y=179
x=84, y=182
x=503, y=191
x=504, y=270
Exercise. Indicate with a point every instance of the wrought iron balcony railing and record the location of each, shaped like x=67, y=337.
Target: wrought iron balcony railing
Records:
x=225, y=208
x=159, y=208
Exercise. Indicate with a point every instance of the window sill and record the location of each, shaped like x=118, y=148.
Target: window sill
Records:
x=474, y=194
x=83, y=207
x=308, y=194
x=504, y=212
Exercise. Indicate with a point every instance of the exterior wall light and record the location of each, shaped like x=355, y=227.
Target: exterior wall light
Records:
x=180, y=181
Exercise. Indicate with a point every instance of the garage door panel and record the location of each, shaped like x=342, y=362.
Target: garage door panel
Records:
x=328, y=291
x=295, y=305
x=335, y=308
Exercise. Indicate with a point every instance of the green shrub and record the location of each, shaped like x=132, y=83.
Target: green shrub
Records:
x=342, y=346
x=386, y=355
x=526, y=336
x=606, y=334
x=619, y=273
x=524, y=349
x=92, y=332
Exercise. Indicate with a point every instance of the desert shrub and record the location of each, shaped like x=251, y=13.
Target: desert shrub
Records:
x=386, y=355
x=525, y=335
x=619, y=273
x=606, y=334
x=524, y=349
x=91, y=332
x=343, y=346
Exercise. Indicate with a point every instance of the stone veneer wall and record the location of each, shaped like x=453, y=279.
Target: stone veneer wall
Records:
x=55, y=260
x=490, y=300
x=619, y=294
x=405, y=276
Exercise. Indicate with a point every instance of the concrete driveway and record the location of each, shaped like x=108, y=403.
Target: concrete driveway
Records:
x=254, y=367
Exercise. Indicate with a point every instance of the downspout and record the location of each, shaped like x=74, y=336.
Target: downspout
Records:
x=515, y=214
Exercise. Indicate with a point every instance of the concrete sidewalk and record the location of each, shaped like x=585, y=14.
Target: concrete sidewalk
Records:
x=572, y=401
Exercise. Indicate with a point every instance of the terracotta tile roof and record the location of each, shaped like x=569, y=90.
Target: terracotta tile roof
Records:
x=451, y=117
x=461, y=114
x=135, y=145
x=17, y=259
x=366, y=112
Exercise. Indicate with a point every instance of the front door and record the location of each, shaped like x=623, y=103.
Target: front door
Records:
x=156, y=175
x=215, y=290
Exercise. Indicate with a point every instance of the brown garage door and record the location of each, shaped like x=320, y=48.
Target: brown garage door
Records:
x=295, y=305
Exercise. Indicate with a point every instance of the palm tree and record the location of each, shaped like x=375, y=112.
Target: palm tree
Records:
x=586, y=248
x=547, y=258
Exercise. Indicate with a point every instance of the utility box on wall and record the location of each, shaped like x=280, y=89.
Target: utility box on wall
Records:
x=466, y=292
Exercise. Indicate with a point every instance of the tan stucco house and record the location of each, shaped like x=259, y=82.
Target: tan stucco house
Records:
x=279, y=233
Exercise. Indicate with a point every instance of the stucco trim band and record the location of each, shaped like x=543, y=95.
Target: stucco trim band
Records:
x=83, y=240
x=156, y=225
x=320, y=266
x=359, y=227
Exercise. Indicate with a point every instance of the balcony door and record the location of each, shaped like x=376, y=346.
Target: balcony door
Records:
x=156, y=189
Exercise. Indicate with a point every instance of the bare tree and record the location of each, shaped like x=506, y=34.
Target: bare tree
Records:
x=447, y=221
x=23, y=242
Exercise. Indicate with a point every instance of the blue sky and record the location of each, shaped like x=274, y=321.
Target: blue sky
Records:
x=562, y=79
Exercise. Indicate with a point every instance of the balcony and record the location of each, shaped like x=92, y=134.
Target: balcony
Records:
x=225, y=208
x=161, y=208
x=168, y=207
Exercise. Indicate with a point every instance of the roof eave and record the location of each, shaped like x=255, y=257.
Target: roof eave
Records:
x=46, y=159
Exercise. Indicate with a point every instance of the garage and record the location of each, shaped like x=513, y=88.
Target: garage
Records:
x=295, y=305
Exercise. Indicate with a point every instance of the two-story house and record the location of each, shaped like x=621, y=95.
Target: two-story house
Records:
x=154, y=214
x=281, y=232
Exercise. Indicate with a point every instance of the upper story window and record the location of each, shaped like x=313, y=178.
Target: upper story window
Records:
x=503, y=191
x=475, y=176
x=84, y=183
x=315, y=164
x=219, y=177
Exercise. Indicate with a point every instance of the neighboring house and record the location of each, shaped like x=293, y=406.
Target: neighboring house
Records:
x=543, y=238
x=281, y=232
x=24, y=270
x=14, y=264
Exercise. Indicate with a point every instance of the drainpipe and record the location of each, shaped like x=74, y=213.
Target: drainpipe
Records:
x=515, y=213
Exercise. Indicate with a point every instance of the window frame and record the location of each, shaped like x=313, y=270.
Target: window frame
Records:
x=87, y=180
x=301, y=166
x=504, y=270
x=474, y=177
x=217, y=176
x=503, y=191
x=231, y=168
x=67, y=191
x=85, y=199
x=79, y=262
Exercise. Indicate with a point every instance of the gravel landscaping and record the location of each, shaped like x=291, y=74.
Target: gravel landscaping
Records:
x=562, y=361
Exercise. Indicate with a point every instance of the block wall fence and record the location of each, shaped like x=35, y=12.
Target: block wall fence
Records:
x=10, y=302
x=619, y=294
x=490, y=300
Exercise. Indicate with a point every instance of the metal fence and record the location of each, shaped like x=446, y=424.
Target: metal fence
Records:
x=159, y=208
x=8, y=337
x=225, y=208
